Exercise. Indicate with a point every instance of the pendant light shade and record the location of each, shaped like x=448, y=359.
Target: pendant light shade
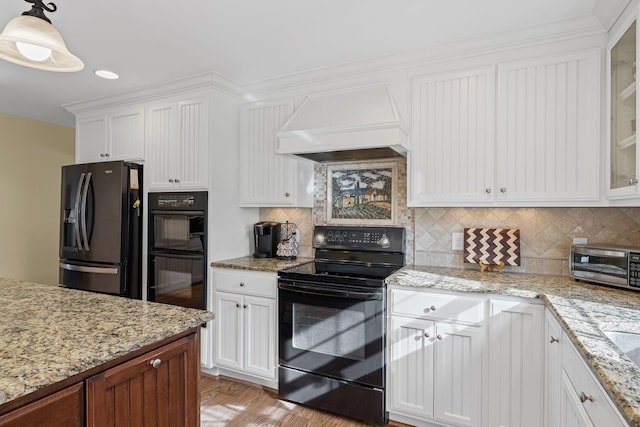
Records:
x=32, y=41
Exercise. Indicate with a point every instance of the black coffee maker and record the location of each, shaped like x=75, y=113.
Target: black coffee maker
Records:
x=266, y=236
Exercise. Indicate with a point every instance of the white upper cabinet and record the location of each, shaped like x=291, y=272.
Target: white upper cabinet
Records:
x=452, y=150
x=622, y=112
x=176, y=141
x=521, y=133
x=267, y=178
x=548, y=129
x=111, y=135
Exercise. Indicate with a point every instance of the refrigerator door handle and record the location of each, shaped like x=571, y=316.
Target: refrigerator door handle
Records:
x=89, y=269
x=76, y=224
x=84, y=212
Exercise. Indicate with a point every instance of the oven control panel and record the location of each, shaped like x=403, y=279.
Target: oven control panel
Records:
x=362, y=238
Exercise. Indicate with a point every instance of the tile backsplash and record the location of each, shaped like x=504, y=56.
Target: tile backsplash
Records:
x=545, y=233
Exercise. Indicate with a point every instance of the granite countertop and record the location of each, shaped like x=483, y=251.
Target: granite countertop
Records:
x=260, y=264
x=49, y=333
x=585, y=310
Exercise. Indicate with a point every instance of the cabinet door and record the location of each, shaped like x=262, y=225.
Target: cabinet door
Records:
x=160, y=388
x=452, y=147
x=516, y=363
x=159, y=145
x=622, y=90
x=91, y=138
x=458, y=374
x=62, y=409
x=193, y=143
x=125, y=139
x=411, y=367
x=548, y=129
x=229, y=330
x=177, y=139
x=553, y=369
x=572, y=413
x=266, y=178
x=260, y=336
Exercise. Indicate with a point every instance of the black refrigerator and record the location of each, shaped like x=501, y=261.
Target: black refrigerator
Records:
x=101, y=228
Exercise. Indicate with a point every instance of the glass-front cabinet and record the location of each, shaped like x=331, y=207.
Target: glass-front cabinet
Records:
x=623, y=155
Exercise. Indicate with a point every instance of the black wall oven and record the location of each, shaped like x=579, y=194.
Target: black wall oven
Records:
x=332, y=321
x=177, y=249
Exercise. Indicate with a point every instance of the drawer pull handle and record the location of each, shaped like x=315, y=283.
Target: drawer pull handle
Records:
x=554, y=339
x=241, y=283
x=584, y=397
x=155, y=362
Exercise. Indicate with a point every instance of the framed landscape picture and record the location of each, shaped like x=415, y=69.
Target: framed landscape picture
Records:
x=361, y=194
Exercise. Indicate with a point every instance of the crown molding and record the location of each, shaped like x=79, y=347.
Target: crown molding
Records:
x=609, y=11
x=203, y=81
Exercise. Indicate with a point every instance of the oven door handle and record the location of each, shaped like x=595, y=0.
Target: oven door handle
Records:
x=174, y=255
x=316, y=290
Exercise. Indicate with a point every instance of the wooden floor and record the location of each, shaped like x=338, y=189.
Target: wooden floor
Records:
x=226, y=402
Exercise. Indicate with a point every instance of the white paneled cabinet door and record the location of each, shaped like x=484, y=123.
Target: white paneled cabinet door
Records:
x=548, y=129
x=572, y=413
x=411, y=368
x=125, y=135
x=91, y=137
x=516, y=364
x=266, y=178
x=260, y=340
x=177, y=134
x=229, y=330
x=458, y=374
x=452, y=144
x=553, y=369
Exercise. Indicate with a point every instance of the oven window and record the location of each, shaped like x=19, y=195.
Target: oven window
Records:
x=178, y=232
x=612, y=266
x=336, y=332
x=179, y=281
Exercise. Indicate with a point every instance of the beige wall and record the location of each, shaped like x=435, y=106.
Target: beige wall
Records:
x=545, y=233
x=31, y=154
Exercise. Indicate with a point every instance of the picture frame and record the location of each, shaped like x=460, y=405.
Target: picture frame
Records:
x=362, y=194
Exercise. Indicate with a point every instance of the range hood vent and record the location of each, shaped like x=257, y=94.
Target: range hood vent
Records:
x=351, y=124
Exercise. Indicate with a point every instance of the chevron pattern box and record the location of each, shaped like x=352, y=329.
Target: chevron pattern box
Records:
x=492, y=245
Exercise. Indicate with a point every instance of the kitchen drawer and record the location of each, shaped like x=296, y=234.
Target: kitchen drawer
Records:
x=245, y=282
x=437, y=306
x=597, y=405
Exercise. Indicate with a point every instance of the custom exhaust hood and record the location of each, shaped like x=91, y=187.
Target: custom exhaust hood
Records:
x=359, y=123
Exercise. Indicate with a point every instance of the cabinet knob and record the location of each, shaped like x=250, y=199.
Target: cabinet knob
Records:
x=106, y=154
x=176, y=180
x=503, y=190
x=633, y=181
x=155, y=362
x=241, y=283
x=439, y=337
x=238, y=304
x=428, y=309
x=101, y=154
x=487, y=190
x=245, y=306
x=171, y=180
x=554, y=339
x=426, y=334
x=287, y=194
x=584, y=397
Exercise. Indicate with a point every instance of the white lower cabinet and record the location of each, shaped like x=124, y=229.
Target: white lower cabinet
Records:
x=583, y=402
x=245, y=344
x=516, y=364
x=435, y=360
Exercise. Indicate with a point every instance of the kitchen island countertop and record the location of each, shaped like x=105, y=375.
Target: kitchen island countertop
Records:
x=585, y=310
x=271, y=265
x=49, y=333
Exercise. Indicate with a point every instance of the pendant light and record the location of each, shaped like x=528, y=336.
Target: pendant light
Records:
x=32, y=41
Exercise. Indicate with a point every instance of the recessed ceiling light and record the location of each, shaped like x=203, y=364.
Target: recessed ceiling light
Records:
x=106, y=74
